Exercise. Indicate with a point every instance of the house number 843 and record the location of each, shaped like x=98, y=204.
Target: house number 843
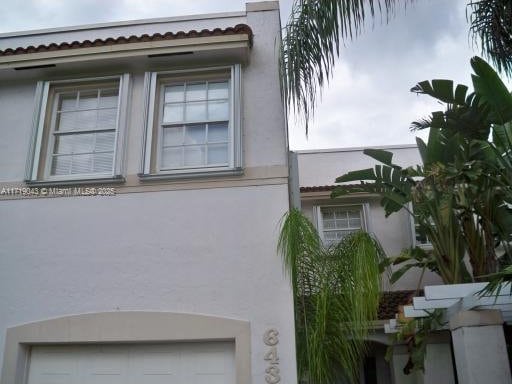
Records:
x=270, y=338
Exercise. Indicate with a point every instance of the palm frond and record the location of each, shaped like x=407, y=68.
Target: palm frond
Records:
x=313, y=35
x=491, y=27
x=336, y=293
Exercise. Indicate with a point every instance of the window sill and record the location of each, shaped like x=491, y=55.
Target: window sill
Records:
x=71, y=182
x=190, y=175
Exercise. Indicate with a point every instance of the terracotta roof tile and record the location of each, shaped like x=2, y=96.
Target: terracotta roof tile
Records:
x=239, y=29
x=326, y=188
x=392, y=300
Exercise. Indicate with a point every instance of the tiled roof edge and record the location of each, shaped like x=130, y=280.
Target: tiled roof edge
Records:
x=238, y=29
x=326, y=188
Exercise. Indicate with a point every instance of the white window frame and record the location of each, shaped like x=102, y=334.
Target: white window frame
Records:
x=412, y=224
x=153, y=112
x=363, y=208
x=42, y=127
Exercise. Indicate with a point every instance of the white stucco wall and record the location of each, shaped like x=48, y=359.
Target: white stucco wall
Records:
x=208, y=249
x=201, y=251
x=320, y=168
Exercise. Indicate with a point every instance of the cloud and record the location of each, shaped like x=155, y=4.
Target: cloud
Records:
x=368, y=100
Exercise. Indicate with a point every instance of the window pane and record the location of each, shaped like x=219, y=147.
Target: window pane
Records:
x=195, y=134
x=88, y=100
x=61, y=165
x=196, y=92
x=173, y=136
x=355, y=223
x=107, y=118
x=108, y=98
x=327, y=214
x=103, y=162
x=218, y=110
x=81, y=163
x=194, y=156
x=68, y=101
x=340, y=213
x=84, y=143
x=72, y=121
x=63, y=144
x=195, y=111
x=173, y=113
x=104, y=141
x=329, y=224
x=218, y=154
x=354, y=214
x=78, y=143
x=172, y=157
x=341, y=223
x=218, y=90
x=174, y=93
x=217, y=132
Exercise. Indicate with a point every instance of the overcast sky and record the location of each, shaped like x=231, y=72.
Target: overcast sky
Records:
x=368, y=100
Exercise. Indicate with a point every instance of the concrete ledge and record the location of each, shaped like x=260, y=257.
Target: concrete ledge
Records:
x=476, y=318
x=262, y=6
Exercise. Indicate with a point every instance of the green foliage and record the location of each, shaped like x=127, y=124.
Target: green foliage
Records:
x=316, y=30
x=336, y=293
x=414, y=333
x=461, y=194
x=313, y=35
x=491, y=28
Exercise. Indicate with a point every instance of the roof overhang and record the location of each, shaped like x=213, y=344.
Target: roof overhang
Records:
x=228, y=41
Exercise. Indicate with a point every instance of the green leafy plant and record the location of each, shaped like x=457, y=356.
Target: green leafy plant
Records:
x=336, y=296
x=414, y=334
x=461, y=193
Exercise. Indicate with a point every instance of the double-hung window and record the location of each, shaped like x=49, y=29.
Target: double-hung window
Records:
x=420, y=238
x=193, y=122
x=78, y=130
x=195, y=125
x=337, y=222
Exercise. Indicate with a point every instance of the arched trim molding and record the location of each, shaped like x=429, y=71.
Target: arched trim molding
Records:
x=124, y=327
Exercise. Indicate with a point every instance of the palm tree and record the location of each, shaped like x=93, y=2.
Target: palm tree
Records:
x=336, y=295
x=317, y=28
x=461, y=194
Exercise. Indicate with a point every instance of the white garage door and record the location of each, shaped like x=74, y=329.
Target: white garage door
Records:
x=179, y=363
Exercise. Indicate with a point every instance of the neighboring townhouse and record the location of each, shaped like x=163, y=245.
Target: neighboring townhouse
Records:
x=334, y=218
x=143, y=174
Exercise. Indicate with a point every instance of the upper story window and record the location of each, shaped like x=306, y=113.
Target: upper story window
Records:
x=419, y=236
x=195, y=125
x=78, y=130
x=193, y=122
x=336, y=222
x=82, y=138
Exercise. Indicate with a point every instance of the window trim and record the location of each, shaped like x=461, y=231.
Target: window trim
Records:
x=412, y=227
x=363, y=207
x=40, y=127
x=152, y=112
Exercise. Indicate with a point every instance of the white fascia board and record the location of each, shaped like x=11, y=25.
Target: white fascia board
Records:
x=496, y=302
x=423, y=303
x=409, y=311
x=452, y=291
x=126, y=50
x=459, y=291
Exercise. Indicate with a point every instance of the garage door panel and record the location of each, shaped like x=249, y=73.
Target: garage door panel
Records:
x=52, y=367
x=179, y=363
